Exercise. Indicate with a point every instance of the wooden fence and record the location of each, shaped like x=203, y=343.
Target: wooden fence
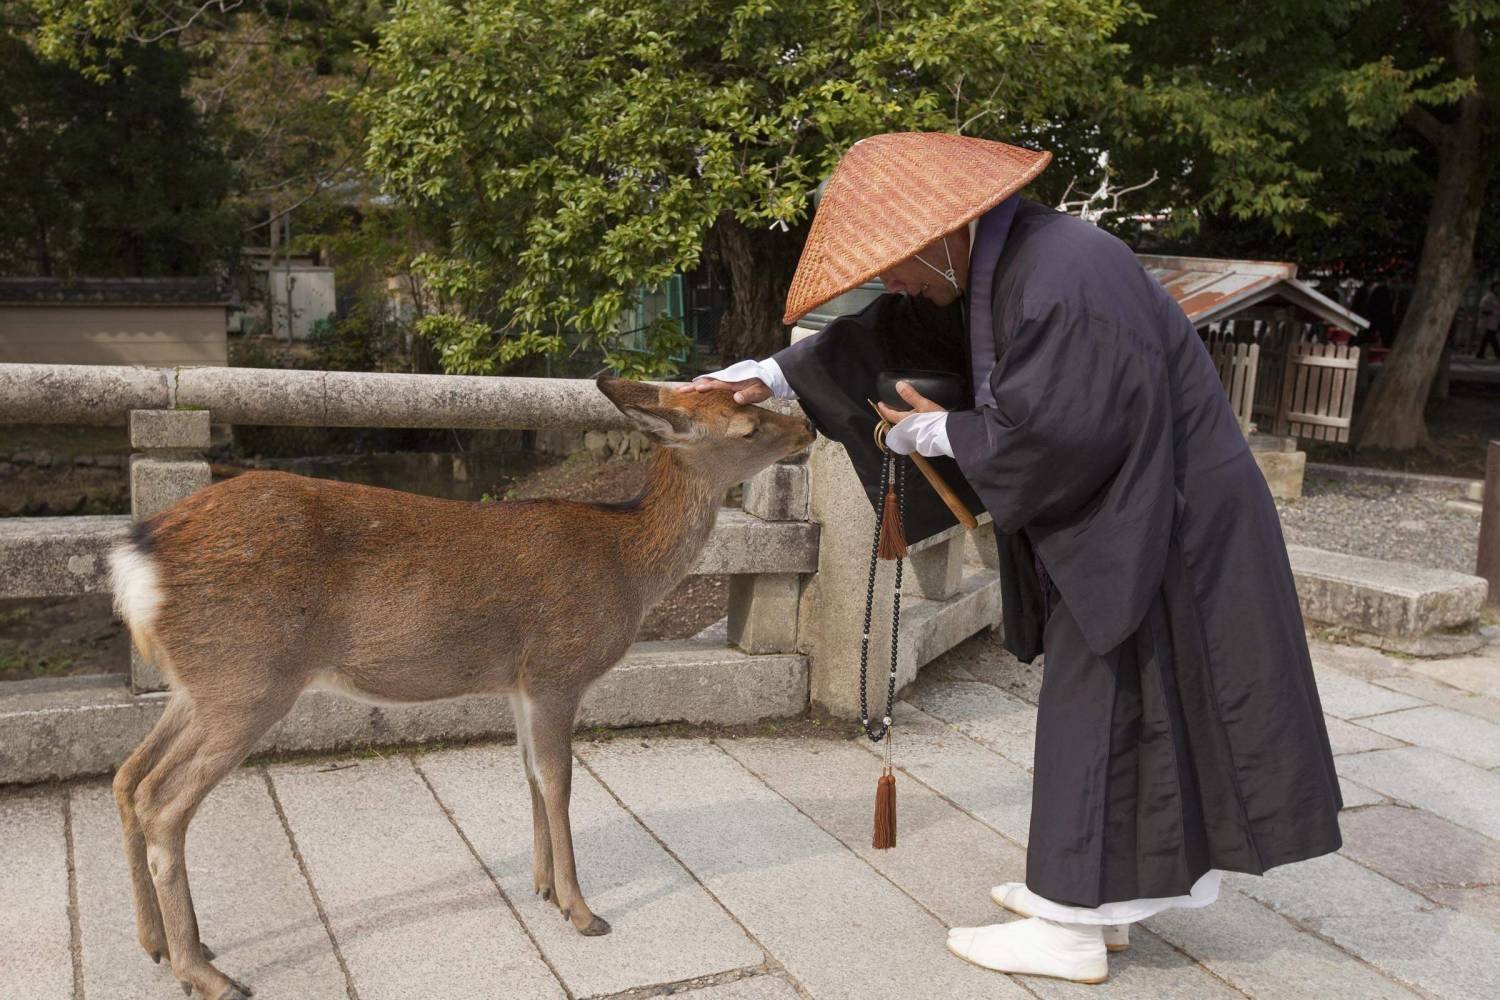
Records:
x=1237, y=365
x=1302, y=387
x=1317, y=391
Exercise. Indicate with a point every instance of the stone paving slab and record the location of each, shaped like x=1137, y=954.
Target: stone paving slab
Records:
x=254, y=907
x=666, y=928
x=1263, y=955
x=1346, y=737
x=1000, y=721
x=414, y=914
x=1356, y=795
x=1419, y=850
x=992, y=663
x=1477, y=674
x=1351, y=698
x=976, y=779
x=1438, y=693
x=753, y=988
x=946, y=860
x=1481, y=902
x=1453, y=733
x=820, y=910
x=1463, y=793
x=1444, y=952
x=35, y=955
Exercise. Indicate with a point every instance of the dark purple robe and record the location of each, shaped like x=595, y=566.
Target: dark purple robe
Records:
x=1179, y=727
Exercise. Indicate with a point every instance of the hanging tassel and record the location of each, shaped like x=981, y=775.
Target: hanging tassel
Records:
x=885, y=812
x=892, y=535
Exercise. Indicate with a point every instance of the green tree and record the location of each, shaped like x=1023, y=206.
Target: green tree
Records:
x=109, y=174
x=1300, y=117
x=583, y=152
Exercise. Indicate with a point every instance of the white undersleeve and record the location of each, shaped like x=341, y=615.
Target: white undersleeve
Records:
x=768, y=371
x=1126, y=911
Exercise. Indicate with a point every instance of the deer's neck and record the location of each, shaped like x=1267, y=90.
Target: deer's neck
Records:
x=668, y=526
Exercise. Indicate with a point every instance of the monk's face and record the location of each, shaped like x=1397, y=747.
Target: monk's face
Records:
x=916, y=278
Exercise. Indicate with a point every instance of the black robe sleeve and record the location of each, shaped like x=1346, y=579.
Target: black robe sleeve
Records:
x=833, y=373
x=1076, y=455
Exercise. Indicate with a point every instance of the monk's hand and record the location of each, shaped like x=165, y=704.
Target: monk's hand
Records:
x=918, y=402
x=922, y=429
x=750, y=390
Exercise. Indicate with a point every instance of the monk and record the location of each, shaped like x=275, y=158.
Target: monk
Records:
x=1179, y=731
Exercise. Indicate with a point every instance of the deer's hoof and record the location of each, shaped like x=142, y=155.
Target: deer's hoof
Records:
x=598, y=927
x=545, y=892
x=155, y=956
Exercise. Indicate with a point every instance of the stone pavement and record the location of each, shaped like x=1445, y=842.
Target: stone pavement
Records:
x=740, y=868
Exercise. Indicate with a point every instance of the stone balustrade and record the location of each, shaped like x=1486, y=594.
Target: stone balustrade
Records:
x=786, y=636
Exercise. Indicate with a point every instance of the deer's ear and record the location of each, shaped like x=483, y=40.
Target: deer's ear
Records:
x=642, y=404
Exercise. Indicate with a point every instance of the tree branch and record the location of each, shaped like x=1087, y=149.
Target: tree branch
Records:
x=1426, y=125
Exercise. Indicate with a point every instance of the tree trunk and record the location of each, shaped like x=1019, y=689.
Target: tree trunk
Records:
x=758, y=264
x=1392, y=417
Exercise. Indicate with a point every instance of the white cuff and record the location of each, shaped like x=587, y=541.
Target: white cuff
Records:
x=923, y=433
x=768, y=371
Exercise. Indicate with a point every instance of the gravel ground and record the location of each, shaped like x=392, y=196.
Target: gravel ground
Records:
x=1382, y=523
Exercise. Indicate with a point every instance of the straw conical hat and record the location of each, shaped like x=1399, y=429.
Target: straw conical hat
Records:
x=893, y=194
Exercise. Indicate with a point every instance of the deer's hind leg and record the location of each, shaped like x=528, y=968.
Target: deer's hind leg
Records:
x=148, y=923
x=541, y=841
x=216, y=738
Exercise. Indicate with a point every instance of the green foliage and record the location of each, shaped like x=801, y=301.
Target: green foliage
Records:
x=111, y=175
x=581, y=153
x=1281, y=115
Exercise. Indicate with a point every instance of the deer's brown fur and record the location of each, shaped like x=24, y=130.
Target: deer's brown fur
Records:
x=250, y=591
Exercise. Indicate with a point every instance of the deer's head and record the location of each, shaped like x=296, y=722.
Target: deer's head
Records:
x=712, y=433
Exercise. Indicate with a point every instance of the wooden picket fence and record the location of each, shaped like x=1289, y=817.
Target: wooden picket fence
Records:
x=1317, y=391
x=1301, y=387
x=1237, y=365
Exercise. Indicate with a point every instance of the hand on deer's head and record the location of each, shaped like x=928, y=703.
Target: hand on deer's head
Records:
x=709, y=429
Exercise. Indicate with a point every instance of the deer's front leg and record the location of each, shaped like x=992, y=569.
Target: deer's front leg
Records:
x=541, y=841
x=552, y=742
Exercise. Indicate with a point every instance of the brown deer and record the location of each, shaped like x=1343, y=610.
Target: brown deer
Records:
x=252, y=590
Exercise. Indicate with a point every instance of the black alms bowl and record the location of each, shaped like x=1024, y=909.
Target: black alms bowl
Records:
x=943, y=388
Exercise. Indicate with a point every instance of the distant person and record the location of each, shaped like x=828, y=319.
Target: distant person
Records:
x=1380, y=310
x=1489, y=321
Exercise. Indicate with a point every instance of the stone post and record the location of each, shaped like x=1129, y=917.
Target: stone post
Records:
x=831, y=622
x=763, y=606
x=1489, y=525
x=166, y=467
x=935, y=568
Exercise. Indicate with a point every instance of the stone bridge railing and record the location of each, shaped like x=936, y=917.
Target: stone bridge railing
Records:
x=795, y=555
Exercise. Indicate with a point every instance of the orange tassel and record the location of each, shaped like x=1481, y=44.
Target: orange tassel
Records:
x=892, y=535
x=885, y=812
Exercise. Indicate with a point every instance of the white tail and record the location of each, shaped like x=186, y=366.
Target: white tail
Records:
x=250, y=591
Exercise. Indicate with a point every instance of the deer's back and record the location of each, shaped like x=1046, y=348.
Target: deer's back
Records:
x=380, y=585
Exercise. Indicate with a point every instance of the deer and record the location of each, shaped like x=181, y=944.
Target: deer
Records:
x=250, y=591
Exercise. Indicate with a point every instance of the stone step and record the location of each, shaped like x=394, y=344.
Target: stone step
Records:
x=68, y=728
x=63, y=556
x=1393, y=605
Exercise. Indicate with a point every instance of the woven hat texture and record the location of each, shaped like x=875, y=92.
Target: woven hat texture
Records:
x=893, y=194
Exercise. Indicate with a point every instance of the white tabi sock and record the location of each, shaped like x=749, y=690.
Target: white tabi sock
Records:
x=1035, y=947
x=1014, y=896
